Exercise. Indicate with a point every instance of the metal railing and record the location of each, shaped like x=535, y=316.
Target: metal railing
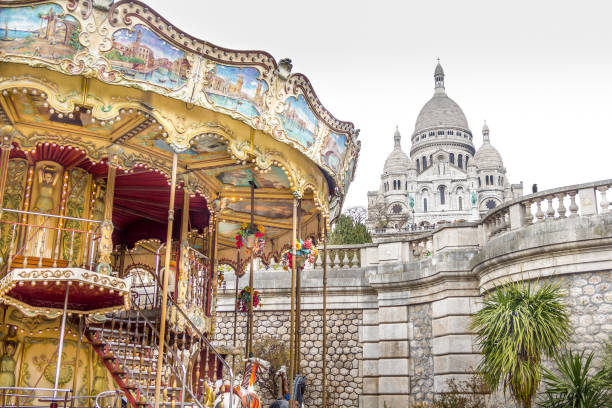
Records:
x=11, y=397
x=33, y=239
x=182, y=366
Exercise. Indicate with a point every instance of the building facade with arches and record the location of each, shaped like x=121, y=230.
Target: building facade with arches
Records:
x=445, y=178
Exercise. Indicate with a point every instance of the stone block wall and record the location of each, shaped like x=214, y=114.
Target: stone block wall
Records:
x=421, y=342
x=590, y=303
x=344, y=351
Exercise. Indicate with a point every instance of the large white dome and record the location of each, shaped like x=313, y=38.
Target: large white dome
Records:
x=440, y=110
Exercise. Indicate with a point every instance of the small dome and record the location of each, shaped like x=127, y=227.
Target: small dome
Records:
x=398, y=161
x=487, y=156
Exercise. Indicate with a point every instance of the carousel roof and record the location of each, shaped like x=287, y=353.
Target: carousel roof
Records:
x=134, y=89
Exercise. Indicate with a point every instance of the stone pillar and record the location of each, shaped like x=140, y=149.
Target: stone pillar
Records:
x=454, y=347
x=588, y=201
x=517, y=216
x=368, y=337
x=105, y=248
x=386, y=368
x=394, y=356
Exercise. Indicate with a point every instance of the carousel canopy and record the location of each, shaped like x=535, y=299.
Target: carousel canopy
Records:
x=85, y=84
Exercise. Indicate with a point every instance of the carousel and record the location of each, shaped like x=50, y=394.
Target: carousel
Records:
x=135, y=160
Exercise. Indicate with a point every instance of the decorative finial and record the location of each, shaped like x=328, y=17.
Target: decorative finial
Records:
x=439, y=77
x=485, y=132
x=397, y=137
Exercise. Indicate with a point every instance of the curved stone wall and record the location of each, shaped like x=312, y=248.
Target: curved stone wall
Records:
x=412, y=295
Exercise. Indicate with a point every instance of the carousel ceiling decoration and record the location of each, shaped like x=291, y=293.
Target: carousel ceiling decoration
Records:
x=130, y=45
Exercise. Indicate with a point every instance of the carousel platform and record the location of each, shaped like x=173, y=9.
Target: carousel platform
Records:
x=48, y=290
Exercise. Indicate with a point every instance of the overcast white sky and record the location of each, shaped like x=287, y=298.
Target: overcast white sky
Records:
x=539, y=72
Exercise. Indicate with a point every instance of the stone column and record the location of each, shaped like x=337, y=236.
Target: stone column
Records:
x=386, y=366
x=454, y=346
x=105, y=248
x=588, y=201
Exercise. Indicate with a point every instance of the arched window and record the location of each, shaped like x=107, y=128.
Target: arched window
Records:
x=399, y=184
x=466, y=160
x=479, y=182
x=442, y=190
x=460, y=161
x=418, y=166
x=424, y=163
x=406, y=185
x=460, y=201
x=431, y=159
x=452, y=158
x=425, y=204
x=487, y=180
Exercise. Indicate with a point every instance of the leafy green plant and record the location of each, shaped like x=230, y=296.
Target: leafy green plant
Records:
x=518, y=324
x=573, y=387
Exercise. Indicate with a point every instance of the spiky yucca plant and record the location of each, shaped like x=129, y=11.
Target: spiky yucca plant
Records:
x=518, y=323
x=573, y=386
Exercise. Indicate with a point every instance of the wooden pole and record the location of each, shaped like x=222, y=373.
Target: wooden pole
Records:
x=292, y=321
x=162, y=325
x=324, y=381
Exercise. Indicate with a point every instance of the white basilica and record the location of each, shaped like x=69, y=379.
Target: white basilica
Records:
x=445, y=179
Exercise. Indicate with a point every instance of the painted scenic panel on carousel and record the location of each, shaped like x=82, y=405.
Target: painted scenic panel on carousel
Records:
x=275, y=178
x=34, y=108
x=44, y=31
x=334, y=150
x=201, y=148
x=280, y=209
x=298, y=121
x=236, y=88
x=141, y=55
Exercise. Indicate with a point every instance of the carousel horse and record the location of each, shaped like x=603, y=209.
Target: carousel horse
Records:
x=243, y=396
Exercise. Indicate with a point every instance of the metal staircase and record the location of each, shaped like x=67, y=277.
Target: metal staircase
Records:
x=127, y=344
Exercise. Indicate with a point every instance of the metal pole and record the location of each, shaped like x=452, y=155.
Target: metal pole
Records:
x=235, y=313
x=164, y=299
x=251, y=279
x=324, y=381
x=298, y=298
x=292, y=323
x=61, y=342
x=76, y=361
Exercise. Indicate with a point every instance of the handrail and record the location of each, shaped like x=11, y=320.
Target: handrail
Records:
x=546, y=193
x=117, y=393
x=49, y=215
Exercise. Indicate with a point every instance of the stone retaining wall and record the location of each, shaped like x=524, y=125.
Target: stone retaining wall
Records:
x=344, y=350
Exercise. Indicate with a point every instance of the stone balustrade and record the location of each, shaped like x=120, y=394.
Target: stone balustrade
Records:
x=341, y=256
x=571, y=201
